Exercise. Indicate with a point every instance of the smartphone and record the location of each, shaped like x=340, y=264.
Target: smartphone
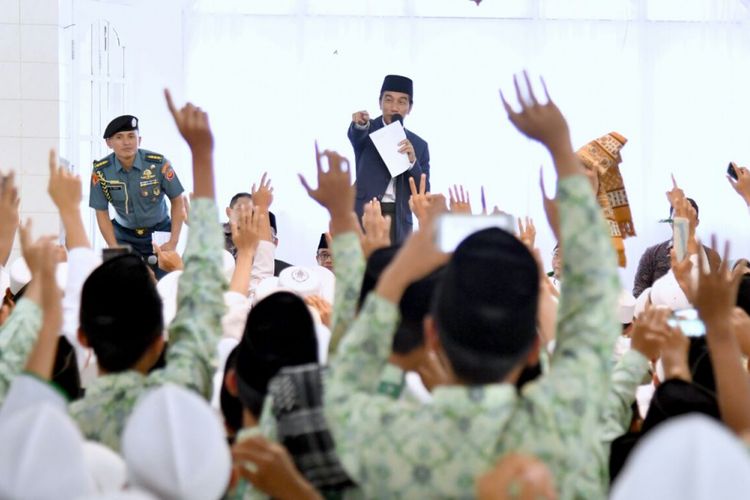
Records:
x=680, y=233
x=688, y=321
x=730, y=170
x=111, y=253
x=452, y=229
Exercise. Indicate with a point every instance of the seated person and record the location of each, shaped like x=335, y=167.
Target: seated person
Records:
x=266, y=252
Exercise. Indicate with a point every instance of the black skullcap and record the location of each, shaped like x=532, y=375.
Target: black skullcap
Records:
x=397, y=83
x=414, y=305
x=486, y=304
x=279, y=332
x=272, y=221
x=124, y=123
x=323, y=243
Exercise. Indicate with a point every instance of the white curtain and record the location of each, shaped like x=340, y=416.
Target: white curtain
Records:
x=671, y=76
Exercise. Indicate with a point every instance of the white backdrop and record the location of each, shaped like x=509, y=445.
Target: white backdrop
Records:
x=671, y=76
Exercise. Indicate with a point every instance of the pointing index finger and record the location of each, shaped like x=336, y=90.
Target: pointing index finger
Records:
x=170, y=103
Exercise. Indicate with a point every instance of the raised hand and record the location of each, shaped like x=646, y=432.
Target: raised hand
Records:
x=675, y=195
x=459, y=200
x=247, y=228
x=377, y=232
x=541, y=122
x=335, y=191
x=32, y=250
x=9, y=215
x=742, y=185
x=682, y=273
x=716, y=294
x=64, y=187
x=527, y=232
x=674, y=354
x=649, y=332
x=192, y=122
x=263, y=195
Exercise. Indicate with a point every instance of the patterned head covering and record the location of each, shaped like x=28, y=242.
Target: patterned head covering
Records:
x=603, y=157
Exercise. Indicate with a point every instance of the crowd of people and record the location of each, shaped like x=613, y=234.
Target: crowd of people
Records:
x=394, y=369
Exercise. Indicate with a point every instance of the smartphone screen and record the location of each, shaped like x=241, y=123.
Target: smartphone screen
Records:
x=680, y=234
x=111, y=253
x=688, y=321
x=730, y=170
x=452, y=229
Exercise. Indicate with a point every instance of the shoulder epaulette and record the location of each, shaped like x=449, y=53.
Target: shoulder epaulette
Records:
x=154, y=157
x=102, y=163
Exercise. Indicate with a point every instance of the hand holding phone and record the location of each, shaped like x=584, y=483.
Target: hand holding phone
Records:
x=731, y=170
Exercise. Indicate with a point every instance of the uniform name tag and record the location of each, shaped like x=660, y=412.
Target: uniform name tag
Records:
x=115, y=188
x=149, y=183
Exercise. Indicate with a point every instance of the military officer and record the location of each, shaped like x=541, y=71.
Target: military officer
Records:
x=135, y=182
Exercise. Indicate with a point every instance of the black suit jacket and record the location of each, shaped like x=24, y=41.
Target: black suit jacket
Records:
x=373, y=176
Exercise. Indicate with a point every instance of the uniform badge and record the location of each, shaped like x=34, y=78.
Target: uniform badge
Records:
x=94, y=179
x=147, y=174
x=144, y=193
x=157, y=191
x=170, y=174
x=152, y=167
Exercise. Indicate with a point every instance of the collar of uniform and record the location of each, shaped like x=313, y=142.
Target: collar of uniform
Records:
x=498, y=398
x=136, y=163
x=120, y=380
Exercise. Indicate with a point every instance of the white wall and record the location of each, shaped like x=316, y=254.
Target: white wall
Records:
x=671, y=77
x=30, y=101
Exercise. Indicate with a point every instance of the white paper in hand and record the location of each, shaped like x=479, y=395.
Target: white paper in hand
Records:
x=386, y=142
x=160, y=237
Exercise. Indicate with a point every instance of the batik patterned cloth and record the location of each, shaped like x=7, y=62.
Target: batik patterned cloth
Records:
x=399, y=449
x=602, y=155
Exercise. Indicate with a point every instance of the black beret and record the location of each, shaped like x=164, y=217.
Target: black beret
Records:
x=397, y=83
x=124, y=123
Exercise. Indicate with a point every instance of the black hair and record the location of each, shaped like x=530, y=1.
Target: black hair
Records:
x=279, y=333
x=121, y=312
x=65, y=372
x=231, y=407
x=414, y=304
x=236, y=197
x=485, y=306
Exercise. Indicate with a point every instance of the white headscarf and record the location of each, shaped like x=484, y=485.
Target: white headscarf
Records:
x=175, y=446
x=41, y=456
x=689, y=458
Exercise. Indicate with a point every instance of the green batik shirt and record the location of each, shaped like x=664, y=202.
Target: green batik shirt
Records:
x=349, y=268
x=193, y=335
x=401, y=449
x=17, y=337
